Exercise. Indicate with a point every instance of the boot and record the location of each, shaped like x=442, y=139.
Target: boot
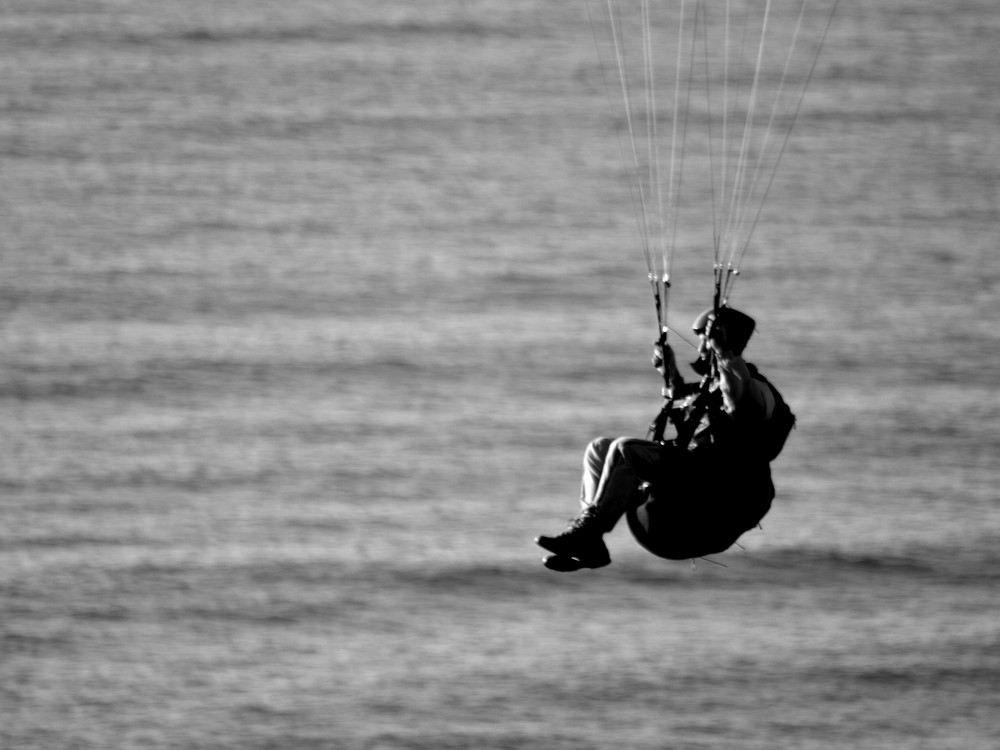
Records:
x=579, y=546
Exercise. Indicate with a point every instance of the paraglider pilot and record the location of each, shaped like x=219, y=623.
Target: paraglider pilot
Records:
x=696, y=493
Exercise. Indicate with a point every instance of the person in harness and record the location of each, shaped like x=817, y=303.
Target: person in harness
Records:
x=695, y=493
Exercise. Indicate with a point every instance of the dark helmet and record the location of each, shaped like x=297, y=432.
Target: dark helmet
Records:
x=739, y=326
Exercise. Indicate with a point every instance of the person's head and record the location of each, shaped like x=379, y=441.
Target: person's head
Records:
x=738, y=326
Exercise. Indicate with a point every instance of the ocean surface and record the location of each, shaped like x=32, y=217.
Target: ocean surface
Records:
x=308, y=310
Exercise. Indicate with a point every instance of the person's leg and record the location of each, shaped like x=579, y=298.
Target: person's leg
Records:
x=613, y=471
x=627, y=464
x=593, y=468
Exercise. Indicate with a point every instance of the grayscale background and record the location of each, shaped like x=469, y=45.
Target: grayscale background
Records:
x=310, y=307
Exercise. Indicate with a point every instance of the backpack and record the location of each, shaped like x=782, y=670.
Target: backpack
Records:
x=777, y=428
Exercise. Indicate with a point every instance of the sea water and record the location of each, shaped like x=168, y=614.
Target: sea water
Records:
x=310, y=308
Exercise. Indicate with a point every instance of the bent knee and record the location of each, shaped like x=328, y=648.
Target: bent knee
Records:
x=600, y=445
x=637, y=453
x=623, y=446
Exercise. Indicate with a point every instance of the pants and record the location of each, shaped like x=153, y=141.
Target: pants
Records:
x=613, y=470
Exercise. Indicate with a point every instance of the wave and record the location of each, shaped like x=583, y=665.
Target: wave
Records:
x=383, y=595
x=975, y=562
x=156, y=32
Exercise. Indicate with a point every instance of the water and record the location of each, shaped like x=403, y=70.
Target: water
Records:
x=309, y=310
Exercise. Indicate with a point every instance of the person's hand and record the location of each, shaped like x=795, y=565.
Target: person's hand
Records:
x=715, y=332
x=664, y=360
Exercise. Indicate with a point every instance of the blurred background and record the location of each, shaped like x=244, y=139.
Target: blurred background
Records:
x=309, y=309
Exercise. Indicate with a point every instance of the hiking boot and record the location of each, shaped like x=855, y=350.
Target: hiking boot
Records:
x=582, y=542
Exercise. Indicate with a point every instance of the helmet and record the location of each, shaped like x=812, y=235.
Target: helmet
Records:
x=739, y=326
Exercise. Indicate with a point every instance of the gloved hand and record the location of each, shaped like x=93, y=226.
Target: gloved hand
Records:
x=664, y=361
x=715, y=332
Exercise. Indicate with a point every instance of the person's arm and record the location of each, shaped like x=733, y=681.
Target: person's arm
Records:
x=734, y=378
x=734, y=375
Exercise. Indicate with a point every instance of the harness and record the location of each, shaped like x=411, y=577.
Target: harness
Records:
x=768, y=437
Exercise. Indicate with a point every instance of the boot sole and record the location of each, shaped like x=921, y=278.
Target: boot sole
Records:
x=554, y=546
x=564, y=564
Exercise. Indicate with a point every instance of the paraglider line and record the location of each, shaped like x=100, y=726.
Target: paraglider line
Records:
x=788, y=133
